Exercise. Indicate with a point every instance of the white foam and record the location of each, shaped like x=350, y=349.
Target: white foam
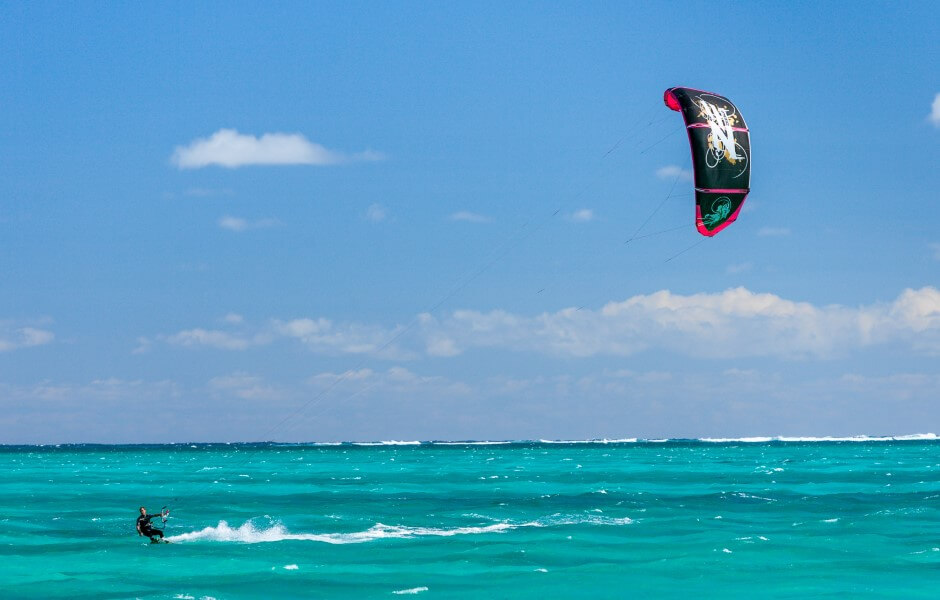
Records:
x=291, y=567
x=388, y=443
x=416, y=590
x=493, y=443
x=248, y=533
x=597, y=441
x=752, y=497
x=749, y=440
x=852, y=438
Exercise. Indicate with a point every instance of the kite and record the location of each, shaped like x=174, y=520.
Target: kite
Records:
x=721, y=149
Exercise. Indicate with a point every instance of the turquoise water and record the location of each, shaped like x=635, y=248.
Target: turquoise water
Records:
x=521, y=520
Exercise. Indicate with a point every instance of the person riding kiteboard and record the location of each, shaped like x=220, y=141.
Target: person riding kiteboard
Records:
x=145, y=528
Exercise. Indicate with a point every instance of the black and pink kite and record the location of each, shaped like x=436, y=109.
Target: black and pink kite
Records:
x=721, y=155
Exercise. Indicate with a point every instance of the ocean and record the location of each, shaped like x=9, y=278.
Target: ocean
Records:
x=759, y=517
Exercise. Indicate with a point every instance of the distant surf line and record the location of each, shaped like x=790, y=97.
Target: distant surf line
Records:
x=914, y=437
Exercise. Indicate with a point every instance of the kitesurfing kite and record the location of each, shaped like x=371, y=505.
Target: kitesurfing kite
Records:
x=721, y=148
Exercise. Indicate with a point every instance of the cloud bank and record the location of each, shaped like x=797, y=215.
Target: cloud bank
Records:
x=733, y=323
x=231, y=149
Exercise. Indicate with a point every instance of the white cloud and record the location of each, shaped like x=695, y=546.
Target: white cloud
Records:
x=328, y=378
x=376, y=213
x=582, y=216
x=222, y=340
x=469, y=217
x=144, y=344
x=674, y=172
x=441, y=346
x=935, y=111
x=773, y=231
x=30, y=336
x=239, y=224
x=323, y=336
x=739, y=268
x=229, y=148
x=733, y=323
x=320, y=335
x=14, y=338
x=393, y=380
x=917, y=311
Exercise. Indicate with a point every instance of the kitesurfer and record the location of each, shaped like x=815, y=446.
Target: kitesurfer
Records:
x=145, y=528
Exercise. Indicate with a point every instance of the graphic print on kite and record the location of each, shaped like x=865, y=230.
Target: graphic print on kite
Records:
x=721, y=148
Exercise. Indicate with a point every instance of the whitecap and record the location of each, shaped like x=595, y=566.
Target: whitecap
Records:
x=388, y=443
x=750, y=440
x=595, y=441
x=470, y=443
x=805, y=439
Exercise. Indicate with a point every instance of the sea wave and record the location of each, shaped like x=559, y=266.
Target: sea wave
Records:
x=250, y=533
x=472, y=443
x=597, y=441
x=388, y=443
x=804, y=439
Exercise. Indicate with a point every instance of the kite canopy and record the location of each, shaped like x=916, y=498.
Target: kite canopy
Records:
x=721, y=149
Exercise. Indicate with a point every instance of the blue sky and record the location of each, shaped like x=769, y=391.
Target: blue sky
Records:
x=359, y=221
